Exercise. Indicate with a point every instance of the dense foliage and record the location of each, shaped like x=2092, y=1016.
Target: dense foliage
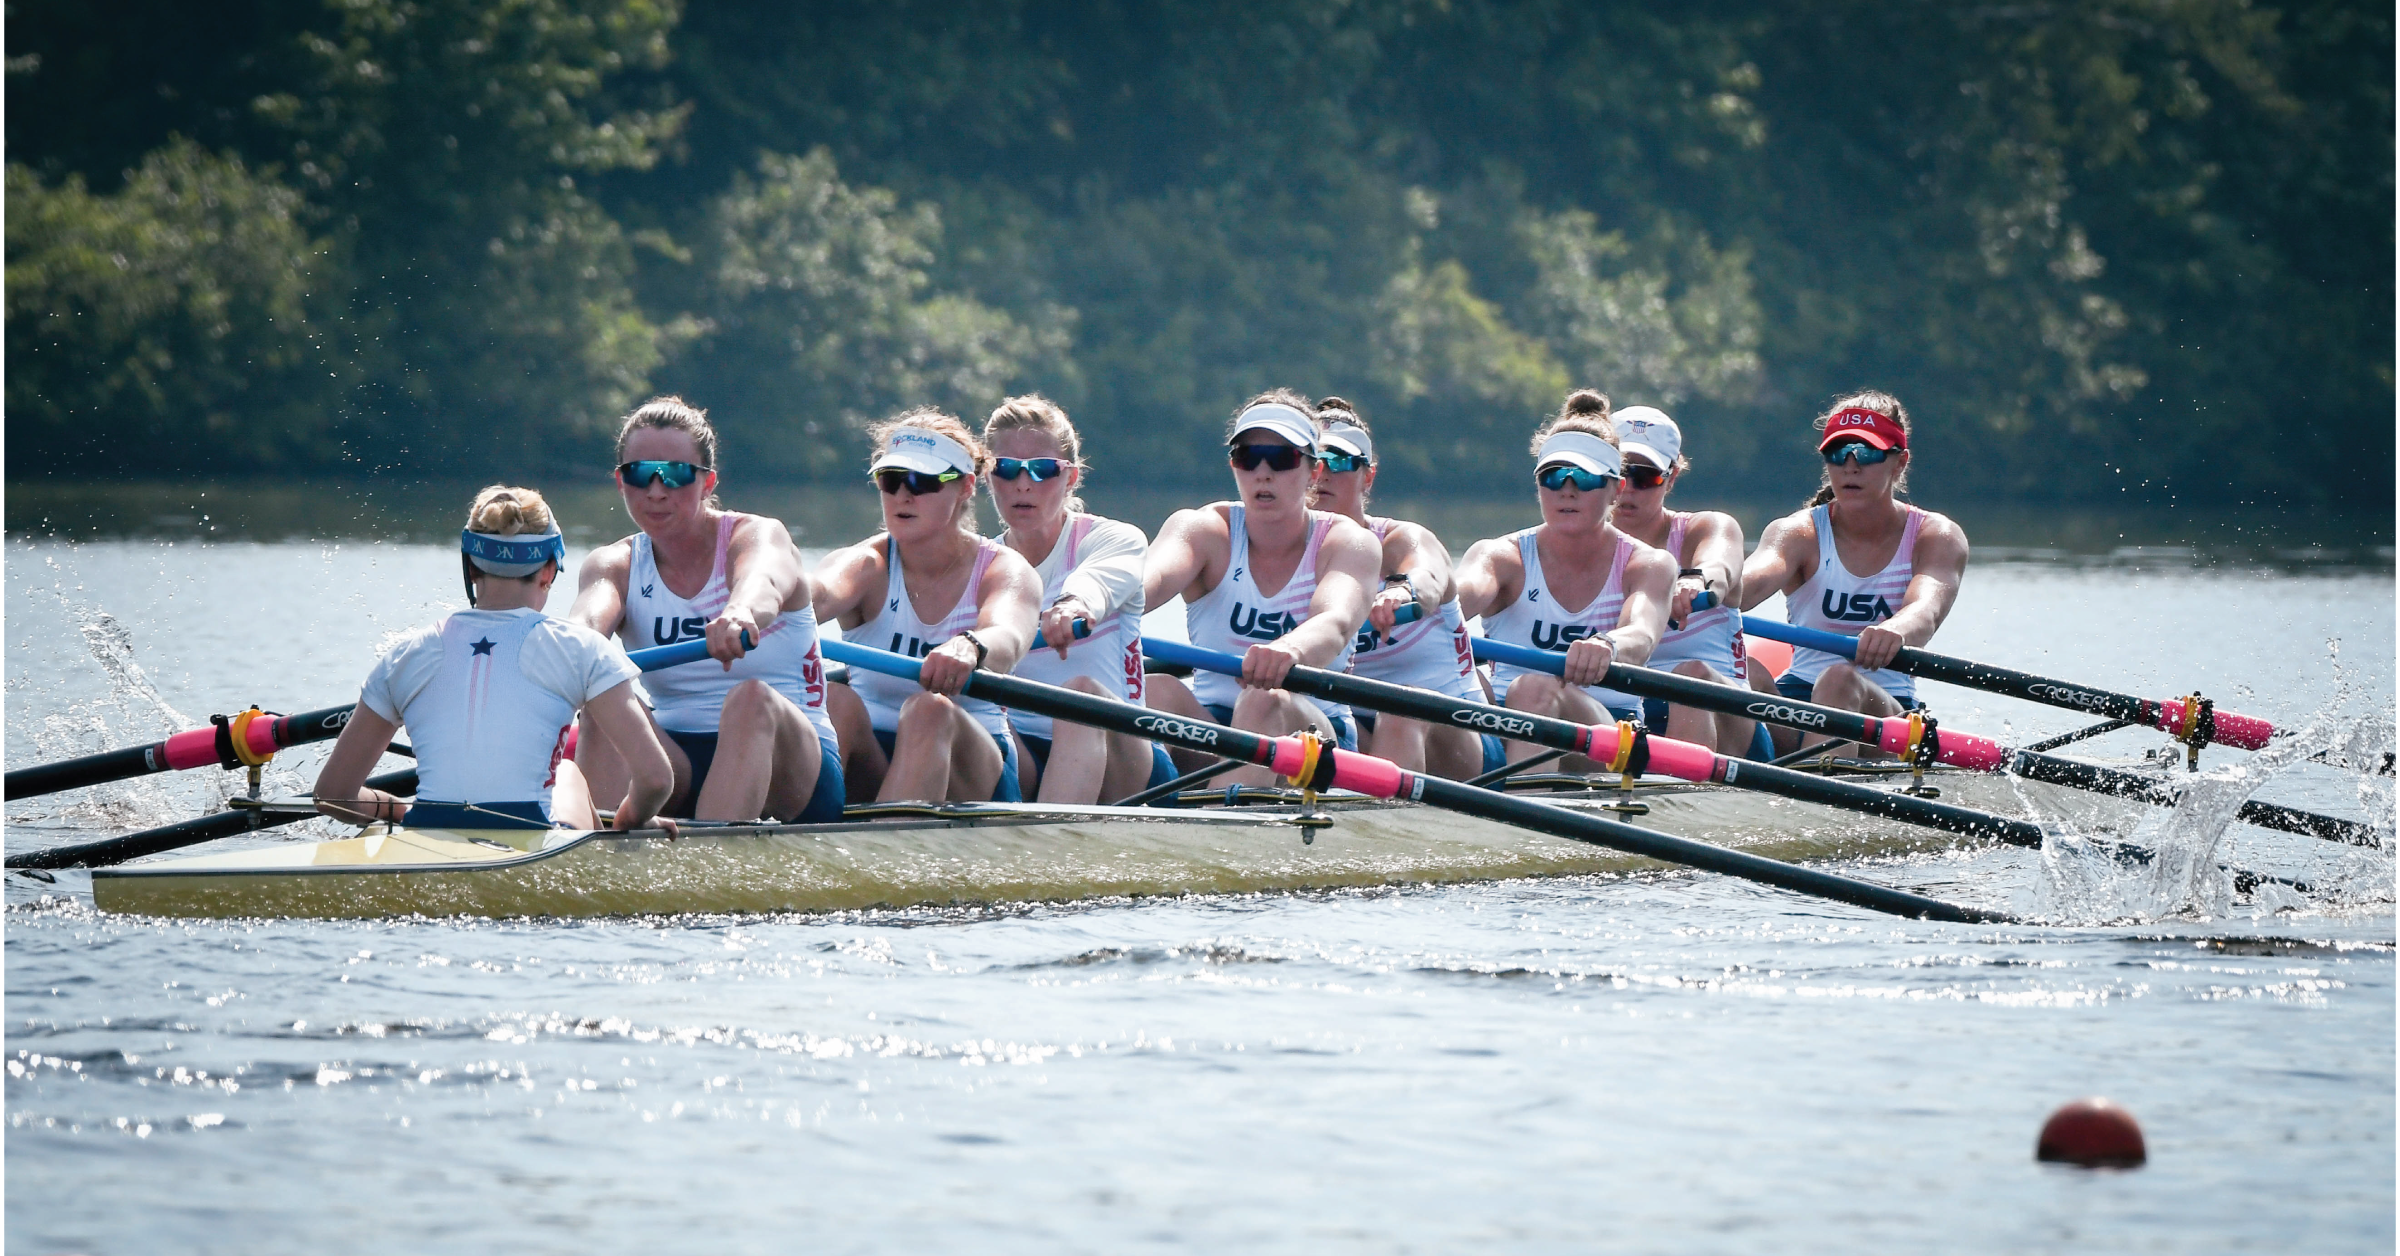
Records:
x=2125, y=245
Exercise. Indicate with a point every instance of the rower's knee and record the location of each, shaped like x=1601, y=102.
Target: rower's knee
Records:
x=925, y=717
x=1533, y=692
x=1695, y=669
x=1085, y=684
x=1257, y=708
x=749, y=708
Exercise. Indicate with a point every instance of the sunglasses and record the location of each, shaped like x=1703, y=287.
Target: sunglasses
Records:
x=1865, y=454
x=1640, y=475
x=1562, y=475
x=1039, y=468
x=893, y=479
x=1338, y=463
x=671, y=474
x=1279, y=457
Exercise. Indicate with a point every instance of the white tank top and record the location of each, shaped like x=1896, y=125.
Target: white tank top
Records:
x=1536, y=618
x=1712, y=636
x=690, y=697
x=488, y=696
x=1834, y=600
x=898, y=628
x=1112, y=655
x=1432, y=653
x=1235, y=616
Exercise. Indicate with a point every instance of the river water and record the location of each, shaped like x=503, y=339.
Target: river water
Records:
x=1651, y=1063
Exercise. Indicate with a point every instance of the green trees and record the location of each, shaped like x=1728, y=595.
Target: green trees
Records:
x=2077, y=239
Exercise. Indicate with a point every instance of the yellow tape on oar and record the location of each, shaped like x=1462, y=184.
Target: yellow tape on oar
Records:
x=239, y=731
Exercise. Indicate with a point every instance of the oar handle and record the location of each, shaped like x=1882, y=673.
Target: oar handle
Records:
x=2172, y=715
x=1408, y=613
x=1705, y=599
x=678, y=654
x=1083, y=628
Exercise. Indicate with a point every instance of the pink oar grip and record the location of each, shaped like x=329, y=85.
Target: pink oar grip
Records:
x=1961, y=750
x=1377, y=778
x=197, y=748
x=1682, y=760
x=262, y=737
x=2247, y=731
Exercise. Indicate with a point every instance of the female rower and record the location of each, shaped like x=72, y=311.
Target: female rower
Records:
x=928, y=587
x=746, y=727
x=1573, y=584
x=1707, y=548
x=1429, y=653
x=1855, y=523
x=1091, y=571
x=488, y=695
x=1221, y=559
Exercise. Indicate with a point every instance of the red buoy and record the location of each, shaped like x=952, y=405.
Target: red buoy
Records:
x=2094, y=1134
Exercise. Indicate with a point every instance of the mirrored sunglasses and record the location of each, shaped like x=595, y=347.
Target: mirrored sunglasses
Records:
x=1039, y=468
x=671, y=474
x=1864, y=454
x=893, y=479
x=1560, y=476
x=1338, y=463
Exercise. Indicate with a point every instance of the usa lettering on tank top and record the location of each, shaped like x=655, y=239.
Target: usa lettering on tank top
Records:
x=1712, y=636
x=1112, y=655
x=690, y=698
x=898, y=628
x=1432, y=653
x=1235, y=615
x=1537, y=619
x=1833, y=599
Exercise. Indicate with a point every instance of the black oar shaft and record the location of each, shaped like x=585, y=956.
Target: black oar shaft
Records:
x=116, y=850
x=170, y=754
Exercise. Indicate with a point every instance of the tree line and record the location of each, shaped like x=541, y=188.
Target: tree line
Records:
x=2124, y=249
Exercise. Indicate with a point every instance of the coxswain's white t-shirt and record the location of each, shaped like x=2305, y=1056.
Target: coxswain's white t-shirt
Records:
x=487, y=697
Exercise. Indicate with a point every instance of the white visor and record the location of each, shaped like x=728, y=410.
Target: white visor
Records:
x=1650, y=433
x=1344, y=438
x=1280, y=419
x=923, y=450
x=1582, y=451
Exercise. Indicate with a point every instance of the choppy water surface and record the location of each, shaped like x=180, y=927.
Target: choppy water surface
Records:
x=1657, y=1063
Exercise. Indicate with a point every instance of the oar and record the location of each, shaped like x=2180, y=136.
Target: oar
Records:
x=1605, y=743
x=116, y=850
x=2195, y=721
x=224, y=742
x=1322, y=767
x=1949, y=745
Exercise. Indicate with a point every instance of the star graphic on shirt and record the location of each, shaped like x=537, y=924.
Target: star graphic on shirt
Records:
x=482, y=647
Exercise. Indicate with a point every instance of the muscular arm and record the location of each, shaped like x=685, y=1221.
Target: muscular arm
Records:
x=1717, y=551
x=1489, y=579
x=764, y=576
x=1411, y=550
x=1004, y=613
x=1349, y=562
x=619, y=717
x=600, y=589
x=1649, y=580
x=341, y=785
x=1778, y=565
x=1941, y=562
x=845, y=583
x=1179, y=557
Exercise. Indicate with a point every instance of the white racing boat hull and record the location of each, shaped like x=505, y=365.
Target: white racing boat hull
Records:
x=915, y=855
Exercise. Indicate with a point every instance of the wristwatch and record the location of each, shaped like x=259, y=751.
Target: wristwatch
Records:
x=1701, y=572
x=982, y=651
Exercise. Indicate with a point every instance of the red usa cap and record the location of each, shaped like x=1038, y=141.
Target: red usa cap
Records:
x=1880, y=430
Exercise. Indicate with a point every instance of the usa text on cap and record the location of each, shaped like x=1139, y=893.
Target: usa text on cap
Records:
x=1880, y=430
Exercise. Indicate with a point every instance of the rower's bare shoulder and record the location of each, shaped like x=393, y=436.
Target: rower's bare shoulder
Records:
x=1196, y=522
x=1649, y=565
x=1413, y=537
x=611, y=562
x=1497, y=552
x=751, y=531
x=1799, y=527
x=1715, y=525
x=1940, y=535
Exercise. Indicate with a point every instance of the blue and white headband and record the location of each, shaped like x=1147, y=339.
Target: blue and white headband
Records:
x=520, y=554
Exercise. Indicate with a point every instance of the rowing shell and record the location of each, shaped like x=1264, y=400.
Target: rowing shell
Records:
x=916, y=855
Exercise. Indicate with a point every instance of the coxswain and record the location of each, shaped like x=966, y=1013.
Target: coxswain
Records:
x=1431, y=652
x=746, y=727
x=928, y=586
x=1707, y=548
x=489, y=695
x=1222, y=560
x=1573, y=584
x=1091, y=573
x=1856, y=523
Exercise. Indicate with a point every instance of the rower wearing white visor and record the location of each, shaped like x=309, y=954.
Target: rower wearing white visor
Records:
x=1091, y=574
x=1707, y=548
x=1431, y=651
x=1267, y=578
x=929, y=587
x=746, y=727
x=488, y=695
x=1913, y=560
x=1573, y=585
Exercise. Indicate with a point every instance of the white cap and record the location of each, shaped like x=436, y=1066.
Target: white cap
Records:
x=1276, y=417
x=1650, y=433
x=1348, y=438
x=923, y=450
x=1581, y=450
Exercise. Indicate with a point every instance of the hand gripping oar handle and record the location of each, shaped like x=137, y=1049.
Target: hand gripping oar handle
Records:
x=2176, y=716
x=1321, y=766
x=1605, y=744
x=1950, y=746
x=208, y=828
x=1083, y=628
x=234, y=741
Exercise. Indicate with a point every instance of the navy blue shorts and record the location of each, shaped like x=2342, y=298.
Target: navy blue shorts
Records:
x=1006, y=789
x=824, y=802
x=481, y=815
x=1799, y=690
x=1162, y=768
x=1345, y=733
